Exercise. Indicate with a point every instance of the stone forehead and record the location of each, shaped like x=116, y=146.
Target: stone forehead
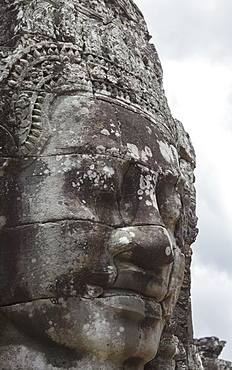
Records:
x=97, y=127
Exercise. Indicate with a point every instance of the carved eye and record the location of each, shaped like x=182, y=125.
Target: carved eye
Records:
x=169, y=203
x=97, y=184
x=97, y=180
x=138, y=201
x=130, y=193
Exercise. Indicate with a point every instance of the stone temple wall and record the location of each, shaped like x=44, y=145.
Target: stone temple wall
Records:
x=209, y=349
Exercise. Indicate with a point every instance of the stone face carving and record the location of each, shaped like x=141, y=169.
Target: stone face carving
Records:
x=97, y=208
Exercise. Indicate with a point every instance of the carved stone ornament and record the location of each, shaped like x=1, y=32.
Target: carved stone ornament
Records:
x=97, y=208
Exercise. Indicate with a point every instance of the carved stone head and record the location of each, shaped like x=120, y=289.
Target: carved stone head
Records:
x=97, y=198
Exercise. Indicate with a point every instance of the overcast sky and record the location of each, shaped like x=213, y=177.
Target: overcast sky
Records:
x=193, y=39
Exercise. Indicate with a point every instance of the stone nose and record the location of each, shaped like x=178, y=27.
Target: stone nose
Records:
x=148, y=247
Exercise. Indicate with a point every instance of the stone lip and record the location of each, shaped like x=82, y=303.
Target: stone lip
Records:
x=129, y=301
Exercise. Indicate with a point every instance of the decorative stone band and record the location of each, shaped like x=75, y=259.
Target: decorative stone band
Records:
x=44, y=69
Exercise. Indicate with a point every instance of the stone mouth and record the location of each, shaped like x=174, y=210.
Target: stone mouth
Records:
x=121, y=292
x=132, y=302
x=135, y=281
x=123, y=301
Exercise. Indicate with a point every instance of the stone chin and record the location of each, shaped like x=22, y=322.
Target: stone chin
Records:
x=116, y=329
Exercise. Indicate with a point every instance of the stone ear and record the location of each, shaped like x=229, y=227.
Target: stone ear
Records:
x=7, y=142
x=7, y=148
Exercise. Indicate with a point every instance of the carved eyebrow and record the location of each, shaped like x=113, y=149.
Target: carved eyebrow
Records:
x=173, y=177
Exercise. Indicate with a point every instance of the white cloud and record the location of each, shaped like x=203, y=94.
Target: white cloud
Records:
x=193, y=27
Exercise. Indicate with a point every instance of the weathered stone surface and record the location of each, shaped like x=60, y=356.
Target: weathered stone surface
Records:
x=209, y=348
x=97, y=207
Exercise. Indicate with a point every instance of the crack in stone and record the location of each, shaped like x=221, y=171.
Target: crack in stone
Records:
x=29, y=301
x=54, y=221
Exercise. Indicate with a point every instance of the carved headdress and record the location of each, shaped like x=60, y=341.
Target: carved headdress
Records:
x=95, y=47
